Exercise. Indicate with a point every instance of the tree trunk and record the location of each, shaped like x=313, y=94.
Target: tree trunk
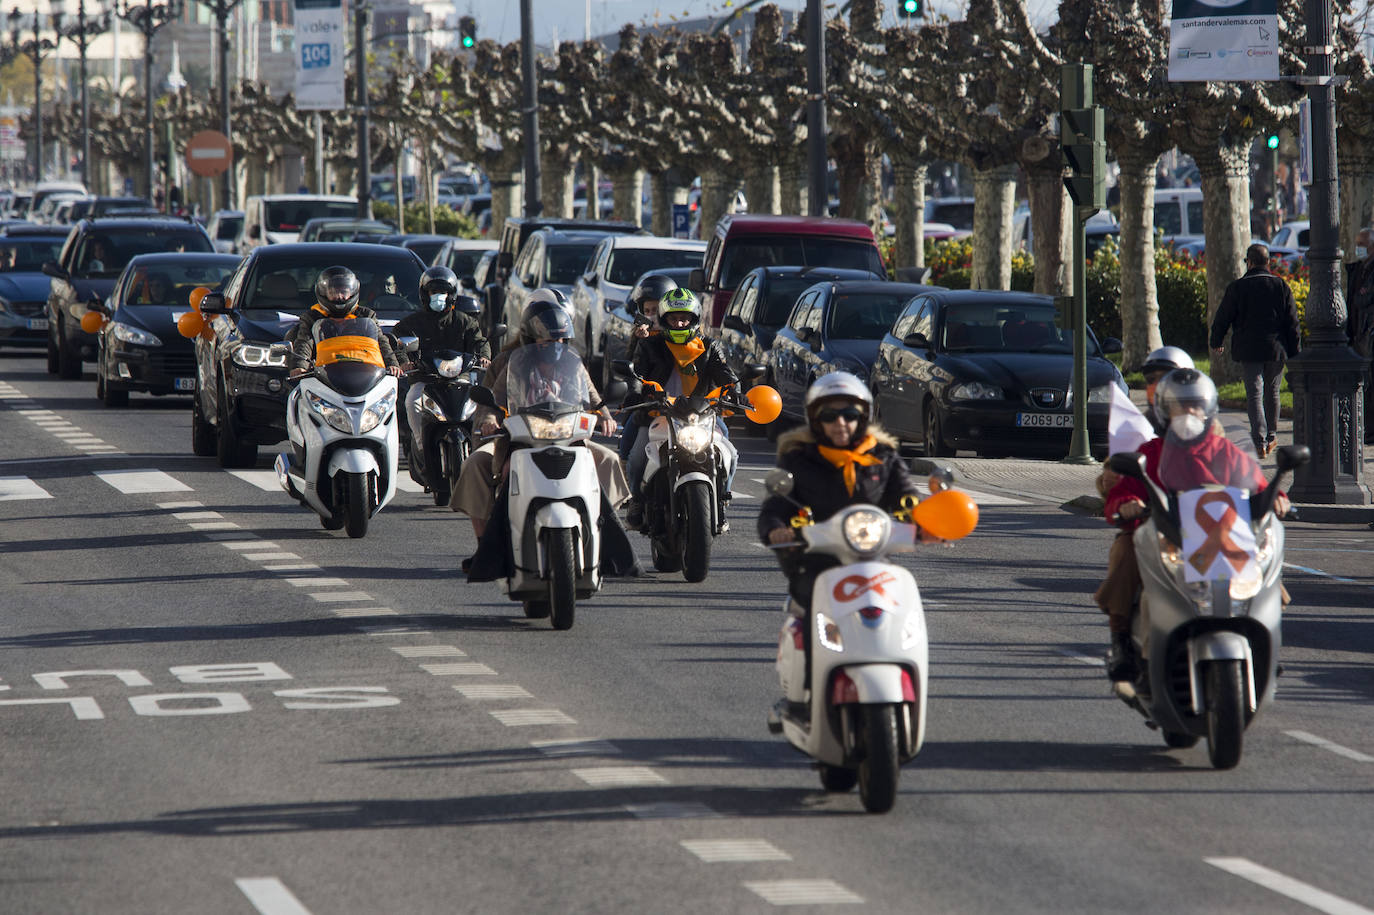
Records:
x=1139, y=299
x=1357, y=199
x=994, y=202
x=627, y=191
x=592, y=185
x=717, y=198
x=1225, y=182
x=853, y=167
x=791, y=186
x=909, y=213
x=762, y=189
x=1051, y=218
x=556, y=183
x=661, y=197
x=507, y=199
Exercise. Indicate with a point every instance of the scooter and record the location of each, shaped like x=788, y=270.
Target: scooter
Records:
x=859, y=707
x=435, y=456
x=341, y=425
x=1208, y=626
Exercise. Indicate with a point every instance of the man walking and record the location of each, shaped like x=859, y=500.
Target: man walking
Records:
x=1262, y=316
x=1359, y=301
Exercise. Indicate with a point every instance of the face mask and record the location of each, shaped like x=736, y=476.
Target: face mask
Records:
x=1361, y=252
x=1187, y=427
x=437, y=301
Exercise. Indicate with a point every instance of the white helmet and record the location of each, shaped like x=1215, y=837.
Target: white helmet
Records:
x=1166, y=359
x=838, y=384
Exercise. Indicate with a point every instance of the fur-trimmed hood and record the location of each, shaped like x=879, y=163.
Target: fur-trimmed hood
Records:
x=802, y=436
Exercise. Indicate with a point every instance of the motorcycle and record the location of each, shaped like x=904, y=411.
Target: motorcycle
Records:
x=1208, y=626
x=445, y=408
x=859, y=707
x=689, y=460
x=341, y=426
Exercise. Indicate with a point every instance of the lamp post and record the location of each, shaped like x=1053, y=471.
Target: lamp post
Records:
x=81, y=33
x=222, y=9
x=34, y=49
x=148, y=19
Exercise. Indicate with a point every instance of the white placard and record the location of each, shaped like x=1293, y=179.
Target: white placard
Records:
x=1217, y=540
x=1224, y=40
x=319, y=55
x=1127, y=427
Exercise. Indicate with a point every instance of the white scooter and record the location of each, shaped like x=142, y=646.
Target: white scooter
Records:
x=341, y=424
x=860, y=713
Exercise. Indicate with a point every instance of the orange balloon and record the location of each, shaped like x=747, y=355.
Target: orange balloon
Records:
x=766, y=403
x=92, y=321
x=207, y=333
x=196, y=295
x=949, y=515
x=190, y=324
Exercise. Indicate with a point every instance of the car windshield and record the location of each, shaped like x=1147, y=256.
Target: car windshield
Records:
x=751, y=251
x=290, y=215
x=463, y=261
x=171, y=283
x=28, y=254
x=390, y=282
x=228, y=228
x=426, y=249
x=959, y=215
x=566, y=263
x=998, y=327
x=108, y=251
x=864, y=315
x=628, y=264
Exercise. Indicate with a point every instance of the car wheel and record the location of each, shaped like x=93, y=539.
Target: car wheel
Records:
x=68, y=362
x=932, y=435
x=52, y=347
x=204, y=438
x=230, y=451
x=109, y=396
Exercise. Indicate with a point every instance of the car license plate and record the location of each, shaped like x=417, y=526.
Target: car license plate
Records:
x=1044, y=420
x=185, y=384
x=38, y=323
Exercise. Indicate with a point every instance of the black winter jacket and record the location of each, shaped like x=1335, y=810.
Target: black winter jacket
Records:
x=450, y=330
x=302, y=338
x=654, y=362
x=1262, y=316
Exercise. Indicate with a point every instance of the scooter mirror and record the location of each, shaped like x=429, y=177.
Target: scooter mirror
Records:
x=615, y=391
x=779, y=482
x=623, y=367
x=941, y=478
x=1128, y=464
x=757, y=370
x=482, y=396
x=1291, y=457
x=499, y=330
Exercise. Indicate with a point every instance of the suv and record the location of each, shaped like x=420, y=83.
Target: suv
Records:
x=86, y=207
x=741, y=243
x=240, y=387
x=226, y=230
x=549, y=258
x=276, y=219
x=95, y=253
x=23, y=287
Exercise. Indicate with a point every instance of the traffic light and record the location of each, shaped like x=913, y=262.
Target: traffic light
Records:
x=467, y=32
x=910, y=9
x=1082, y=135
x=1272, y=141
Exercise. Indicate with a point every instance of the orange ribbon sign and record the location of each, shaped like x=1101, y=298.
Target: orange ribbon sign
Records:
x=1218, y=531
x=856, y=586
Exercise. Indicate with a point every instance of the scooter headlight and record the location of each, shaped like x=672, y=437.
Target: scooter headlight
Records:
x=332, y=413
x=1264, y=545
x=828, y=634
x=542, y=428
x=1248, y=587
x=694, y=438
x=450, y=368
x=1170, y=554
x=866, y=530
x=378, y=412
x=469, y=408
x=431, y=406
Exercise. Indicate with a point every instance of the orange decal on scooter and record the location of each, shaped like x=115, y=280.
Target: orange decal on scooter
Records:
x=1218, y=535
x=855, y=586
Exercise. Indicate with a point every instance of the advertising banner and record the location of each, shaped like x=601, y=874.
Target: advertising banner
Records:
x=1224, y=40
x=319, y=55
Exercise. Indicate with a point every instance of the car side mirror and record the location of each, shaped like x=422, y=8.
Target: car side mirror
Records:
x=214, y=303
x=757, y=370
x=468, y=280
x=916, y=340
x=467, y=305
x=1112, y=345
x=1128, y=464
x=98, y=306
x=52, y=269
x=696, y=280
x=480, y=395
x=590, y=279
x=499, y=330
x=735, y=322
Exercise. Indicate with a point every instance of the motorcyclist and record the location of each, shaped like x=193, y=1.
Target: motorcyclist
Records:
x=683, y=363
x=336, y=299
x=642, y=304
x=446, y=321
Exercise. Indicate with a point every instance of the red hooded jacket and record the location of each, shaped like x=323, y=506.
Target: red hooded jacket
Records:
x=1214, y=461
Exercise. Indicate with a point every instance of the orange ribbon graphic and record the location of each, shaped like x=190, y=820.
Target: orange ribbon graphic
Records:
x=855, y=586
x=1218, y=535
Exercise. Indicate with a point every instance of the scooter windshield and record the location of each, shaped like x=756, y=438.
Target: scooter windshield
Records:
x=549, y=378
x=350, y=339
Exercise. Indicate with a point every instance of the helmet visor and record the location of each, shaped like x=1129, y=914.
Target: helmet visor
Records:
x=337, y=289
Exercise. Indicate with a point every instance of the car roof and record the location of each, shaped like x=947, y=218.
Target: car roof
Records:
x=910, y=289
x=657, y=243
x=474, y=244
x=31, y=229
x=954, y=296
x=340, y=249
x=755, y=224
x=176, y=257
x=821, y=273
x=331, y=198
x=559, y=239
x=105, y=223
x=607, y=225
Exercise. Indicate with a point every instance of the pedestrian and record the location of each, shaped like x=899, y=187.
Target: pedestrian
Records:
x=1360, y=324
x=1262, y=316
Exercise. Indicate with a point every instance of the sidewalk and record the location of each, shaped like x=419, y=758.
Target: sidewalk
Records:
x=1071, y=486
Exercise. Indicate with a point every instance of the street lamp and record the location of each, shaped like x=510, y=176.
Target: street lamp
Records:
x=148, y=19
x=81, y=33
x=34, y=50
x=222, y=9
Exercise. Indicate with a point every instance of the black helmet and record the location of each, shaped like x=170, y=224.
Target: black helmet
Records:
x=546, y=319
x=649, y=288
x=438, y=281
x=337, y=291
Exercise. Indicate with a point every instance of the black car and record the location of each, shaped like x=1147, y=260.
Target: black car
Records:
x=426, y=246
x=833, y=327
x=990, y=372
x=94, y=255
x=140, y=349
x=23, y=285
x=240, y=392
x=616, y=327
x=85, y=207
x=762, y=303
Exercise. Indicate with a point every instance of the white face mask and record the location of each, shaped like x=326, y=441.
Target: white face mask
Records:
x=437, y=301
x=1187, y=427
x=1361, y=252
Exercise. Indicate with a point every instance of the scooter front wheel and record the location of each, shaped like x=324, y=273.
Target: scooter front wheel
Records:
x=1225, y=692
x=562, y=578
x=696, y=531
x=880, y=766
x=357, y=508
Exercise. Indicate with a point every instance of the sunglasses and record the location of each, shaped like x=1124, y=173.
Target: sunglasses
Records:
x=849, y=414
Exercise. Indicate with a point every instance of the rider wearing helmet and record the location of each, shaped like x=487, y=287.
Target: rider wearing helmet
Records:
x=445, y=321
x=336, y=298
x=642, y=304
x=682, y=363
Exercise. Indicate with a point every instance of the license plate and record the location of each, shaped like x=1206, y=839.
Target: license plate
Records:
x=38, y=323
x=1044, y=420
x=185, y=384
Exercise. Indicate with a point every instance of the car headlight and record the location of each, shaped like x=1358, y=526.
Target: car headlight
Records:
x=975, y=390
x=450, y=368
x=866, y=530
x=430, y=405
x=127, y=333
x=1101, y=394
x=378, y=412
x=332, y=413
x=694, y=438
x=551, y=428
x=828, y=634
x=257, y=356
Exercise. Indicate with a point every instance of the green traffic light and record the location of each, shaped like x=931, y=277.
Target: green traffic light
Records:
x=1273, y=141
x=467, y=41
x=911, y=7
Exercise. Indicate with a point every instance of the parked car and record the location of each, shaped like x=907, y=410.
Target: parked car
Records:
x=550, y=258
x=240, y=391
x=226, y=230
x=140, y=348
x=616, y=263
x=92, y=258
x=742, y=242
x=762, y=304
x=990, y=372
x=328, y=228
x=461, y=255
x=615, y=329
x=834, y=326
x=23, y=284
x=276, y=219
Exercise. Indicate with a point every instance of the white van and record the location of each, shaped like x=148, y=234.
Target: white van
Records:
x=275, y=219
x=1178, y=212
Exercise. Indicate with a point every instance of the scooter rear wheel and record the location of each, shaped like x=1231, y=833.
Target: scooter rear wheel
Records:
x=880, y=766
x=1179, y=740
x=838, y=779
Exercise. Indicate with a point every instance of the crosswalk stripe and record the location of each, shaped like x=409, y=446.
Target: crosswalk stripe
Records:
x=671, y=810
x=266, y=480
x=492, y=691
x=620, y=776
x=131, y=482
x=720, y=851
x=429, y=651
x=802, y=892
x=458, y=669
x=525, y=717
x=13, y=489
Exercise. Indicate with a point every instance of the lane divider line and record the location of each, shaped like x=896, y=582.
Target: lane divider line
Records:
x=1328, y=745
x=1305, y=893
x=292, y=567
x=459, y=669
x=492, y=691
x=349, y=596
x=270, y=896
x=672, y=810
x=349, y=612
x=429, y=651
x=574, y=746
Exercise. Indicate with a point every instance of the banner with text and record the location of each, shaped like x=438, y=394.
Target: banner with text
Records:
x=1224, y=40
x=319, y=55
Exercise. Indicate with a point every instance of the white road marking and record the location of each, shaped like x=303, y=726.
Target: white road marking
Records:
x=269, y=557
x=1320, y=574
x=221, y=536
x=211, y=525
x=620, y=777
x=671, y=810
x=313, y=582
x=395, y=629
x=736, y=494
x=406, y=484
x=803, y=892
x=170, y=506
x=1080, y=658
x=292, y=567
x=96, y=446
x=429, y=651
x=733, y=851
x=130, y=482
x=198, y=516
x=458, y=669
x=12, y=489
x=525, y=717
x=34, y=412
x=266, y=480
x=492, y=691
x=270, y=896
x=574, y=746
x=1284, y=885
x=350, y=596
x=1328, y=745
x=250, y=545
x=363, y=611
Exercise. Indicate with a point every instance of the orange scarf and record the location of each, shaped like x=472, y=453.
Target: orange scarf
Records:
x=846, y=458
x=686, y=354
